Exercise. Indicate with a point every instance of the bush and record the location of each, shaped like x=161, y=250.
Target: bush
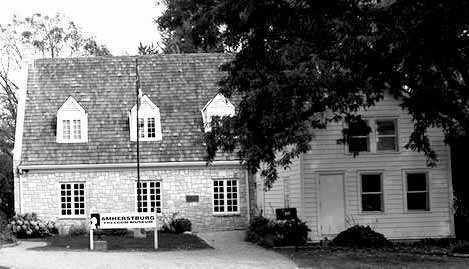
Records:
x=114, y=232
x=6, y=236
x=174, y=224
x=76, y=230
x=462, y=247
x=290, y=232
x=361, y=237
x=29, y=226
x=181, y=225
x=269, y=233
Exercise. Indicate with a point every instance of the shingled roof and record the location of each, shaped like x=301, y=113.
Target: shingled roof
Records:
x=180, y=85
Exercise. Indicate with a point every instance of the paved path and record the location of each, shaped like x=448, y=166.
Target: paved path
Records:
x=230, y=251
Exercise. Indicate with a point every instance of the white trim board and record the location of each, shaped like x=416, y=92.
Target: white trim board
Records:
x=127, y=165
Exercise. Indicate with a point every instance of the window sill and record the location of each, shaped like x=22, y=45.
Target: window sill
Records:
x=415, y=211
x=77, y=217
x=72, y=142
x=372, y=213
x=226, y=214
x=367, y=153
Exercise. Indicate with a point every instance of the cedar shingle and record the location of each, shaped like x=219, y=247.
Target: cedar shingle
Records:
x=180, y=85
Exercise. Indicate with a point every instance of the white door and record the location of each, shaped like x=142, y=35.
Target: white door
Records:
x=332, y=212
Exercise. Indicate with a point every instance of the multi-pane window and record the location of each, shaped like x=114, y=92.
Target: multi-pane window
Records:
x=76, y=129
x=386, y=135
x=151, y=127
x=72, y=197
x=360, y=140
x=71, y=130
x=150, y=196
x=66, y=129
x=417, y=191
x=147, y=127
x=383, y=136
x=225, y=196
x=141, y=127
x=372, y=192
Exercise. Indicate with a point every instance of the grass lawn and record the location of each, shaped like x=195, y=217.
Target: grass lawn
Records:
x=323, y=258
x=166, y=241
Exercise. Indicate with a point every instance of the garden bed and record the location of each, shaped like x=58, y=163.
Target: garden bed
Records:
x=166, y=241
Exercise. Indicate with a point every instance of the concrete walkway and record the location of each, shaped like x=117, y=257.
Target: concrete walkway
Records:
x=230, y=251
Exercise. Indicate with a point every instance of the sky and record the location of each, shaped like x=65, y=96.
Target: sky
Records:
x=118, y=24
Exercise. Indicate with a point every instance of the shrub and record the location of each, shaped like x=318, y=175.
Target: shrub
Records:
x=174, y=224
x=269, y=233
x=29, y=226
x=290, y=232
x=258, y=228
x=6, y=236
x=360, y=236
x=181, y=225
x=462, y=247
x=76, y=230
x=114, y=232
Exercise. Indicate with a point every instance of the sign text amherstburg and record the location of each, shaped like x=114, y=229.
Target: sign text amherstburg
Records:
x=125, y=220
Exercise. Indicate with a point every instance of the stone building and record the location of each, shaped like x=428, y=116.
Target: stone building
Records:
x=76, y=148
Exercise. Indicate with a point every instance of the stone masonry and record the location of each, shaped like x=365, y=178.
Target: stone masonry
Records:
x=114, y=190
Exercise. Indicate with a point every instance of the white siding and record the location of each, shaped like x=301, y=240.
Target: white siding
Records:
x=395, y=222
x=286, y=191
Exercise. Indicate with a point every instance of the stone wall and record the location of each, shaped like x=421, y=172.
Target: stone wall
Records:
x=114, y=190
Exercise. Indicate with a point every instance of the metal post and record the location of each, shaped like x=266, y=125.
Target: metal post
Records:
x=91, y=239
x=156, y=229
x=137, y=88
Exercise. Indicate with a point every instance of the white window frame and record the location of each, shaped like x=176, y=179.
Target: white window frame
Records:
x=428, y=190
x=217, y=106
x=225, y=203
x=72, y=111
x=373, y=136
x=147, y=110
x=395, y=135
x=360, y=174
x=160, y=182
x=72, y=197
x=368, y=137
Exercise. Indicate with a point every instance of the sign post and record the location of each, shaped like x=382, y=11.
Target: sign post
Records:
x=123, y=220
x=91, y=239
x=156, y=231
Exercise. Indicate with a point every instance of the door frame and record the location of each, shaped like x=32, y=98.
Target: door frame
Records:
x=318, y=195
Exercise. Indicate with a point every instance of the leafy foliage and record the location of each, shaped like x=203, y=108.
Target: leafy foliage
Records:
x=360, y=236
x=300, y=65
x=23, y=39
x=76, y=230
x=187, y=27
x=269, y=233
x=55, y=36
x=29, y=226
x=173, y=223
x=181, y=225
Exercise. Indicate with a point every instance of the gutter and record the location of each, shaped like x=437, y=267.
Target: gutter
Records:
x=127, y=165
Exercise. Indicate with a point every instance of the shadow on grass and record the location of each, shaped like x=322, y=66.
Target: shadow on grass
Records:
x=369, y=258
x=166, y=241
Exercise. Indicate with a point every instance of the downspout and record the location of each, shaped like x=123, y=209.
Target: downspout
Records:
x=246, y=172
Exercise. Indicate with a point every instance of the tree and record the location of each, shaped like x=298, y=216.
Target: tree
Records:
x=186, y=27
x=303, y=64
x=56, y=36
x=31, y=37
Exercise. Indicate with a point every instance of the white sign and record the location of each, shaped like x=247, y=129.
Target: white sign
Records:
x=123, y=220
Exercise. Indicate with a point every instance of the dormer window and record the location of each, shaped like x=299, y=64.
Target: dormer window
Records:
x=218, y=106
x=149, y=122
x=72, y=123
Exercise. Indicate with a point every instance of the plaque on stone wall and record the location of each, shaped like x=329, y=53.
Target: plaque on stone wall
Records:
x=192, y=198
